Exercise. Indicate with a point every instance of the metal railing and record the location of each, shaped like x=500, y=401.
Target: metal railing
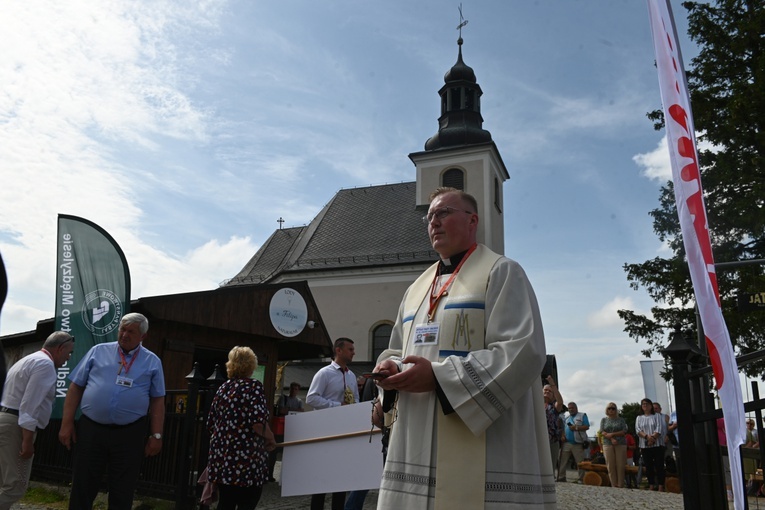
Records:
x=173, y=473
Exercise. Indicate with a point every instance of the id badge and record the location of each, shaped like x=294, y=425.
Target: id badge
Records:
x=124, y=381
x=426, y=334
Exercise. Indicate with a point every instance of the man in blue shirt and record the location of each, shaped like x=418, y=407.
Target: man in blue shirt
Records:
x=576, y=428
x=116, y=384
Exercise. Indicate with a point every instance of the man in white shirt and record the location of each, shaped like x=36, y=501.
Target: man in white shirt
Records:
x=26, y=406
x=335, y=385
x=332, y=386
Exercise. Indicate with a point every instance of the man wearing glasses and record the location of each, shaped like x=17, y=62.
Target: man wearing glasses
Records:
x=27, y=402
x=115, y=384
x=465, y=356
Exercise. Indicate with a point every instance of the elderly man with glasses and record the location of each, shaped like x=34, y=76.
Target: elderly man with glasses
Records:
x=27, y=402
x=465, y=356
x=116, y=385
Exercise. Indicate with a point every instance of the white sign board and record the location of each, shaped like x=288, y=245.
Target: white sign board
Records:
x=335, y=465
x=288, y=312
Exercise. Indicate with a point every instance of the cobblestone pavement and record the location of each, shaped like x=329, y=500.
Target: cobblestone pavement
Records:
x=571, y=496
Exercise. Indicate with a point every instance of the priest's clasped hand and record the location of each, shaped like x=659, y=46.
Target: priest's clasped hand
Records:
x=418, y=378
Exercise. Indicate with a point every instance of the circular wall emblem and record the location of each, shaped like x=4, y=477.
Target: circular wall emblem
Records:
x=101, y=312
x=288, y=312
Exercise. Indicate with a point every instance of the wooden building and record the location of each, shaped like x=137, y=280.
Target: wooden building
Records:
x=201, y=327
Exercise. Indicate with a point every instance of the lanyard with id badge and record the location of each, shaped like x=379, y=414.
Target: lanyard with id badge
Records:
x=124, y=380
x=427, y=334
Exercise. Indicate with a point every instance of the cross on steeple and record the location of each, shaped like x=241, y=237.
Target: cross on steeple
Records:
x=280, y=221
x=463, y=21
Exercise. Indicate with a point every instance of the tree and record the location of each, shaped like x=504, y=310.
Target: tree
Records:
x=630, y=412
x=727, y=86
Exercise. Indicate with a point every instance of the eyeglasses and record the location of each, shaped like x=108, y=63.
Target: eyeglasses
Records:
x=442, y=213
x=610, y=409
x=70, y=339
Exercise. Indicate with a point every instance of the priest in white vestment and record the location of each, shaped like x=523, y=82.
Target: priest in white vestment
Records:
x=466, y=356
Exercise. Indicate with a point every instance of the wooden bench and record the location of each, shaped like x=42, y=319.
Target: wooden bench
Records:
x=597, y=474
x=756, y=480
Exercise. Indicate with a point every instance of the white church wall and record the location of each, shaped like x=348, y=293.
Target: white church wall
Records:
x=351, y=307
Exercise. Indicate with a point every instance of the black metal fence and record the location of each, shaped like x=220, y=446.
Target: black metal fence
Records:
x=174, y=472
x=701, y=455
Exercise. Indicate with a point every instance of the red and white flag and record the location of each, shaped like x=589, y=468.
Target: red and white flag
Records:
x=689, y=198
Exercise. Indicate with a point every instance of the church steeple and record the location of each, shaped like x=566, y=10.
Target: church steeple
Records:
x=462, y=154
x=460, y=122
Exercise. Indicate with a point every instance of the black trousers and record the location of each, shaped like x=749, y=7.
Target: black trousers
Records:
x=231, y=497
x=338, y=501
x=653, y=460
x=116, y=451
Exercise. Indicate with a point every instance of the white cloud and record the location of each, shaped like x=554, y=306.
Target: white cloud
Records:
x=88, y=87
x=595, y=381
x=606, y=316
x=152, y=271
x=656, y=165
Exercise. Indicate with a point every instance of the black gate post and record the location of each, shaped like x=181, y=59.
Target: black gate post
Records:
x=680, y=353
x=213, y=383
x=182, y=500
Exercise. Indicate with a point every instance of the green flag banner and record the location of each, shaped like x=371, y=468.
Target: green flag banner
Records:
x=92, y=291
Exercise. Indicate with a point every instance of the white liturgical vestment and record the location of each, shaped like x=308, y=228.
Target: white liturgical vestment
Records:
x=487, y=360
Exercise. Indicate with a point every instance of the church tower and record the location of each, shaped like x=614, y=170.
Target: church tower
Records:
x=463, y=155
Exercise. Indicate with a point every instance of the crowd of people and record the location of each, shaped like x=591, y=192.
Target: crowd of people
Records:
x=650, y=444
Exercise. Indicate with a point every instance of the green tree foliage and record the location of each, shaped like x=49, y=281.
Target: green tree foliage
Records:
x=727, y=85
x=630, y=413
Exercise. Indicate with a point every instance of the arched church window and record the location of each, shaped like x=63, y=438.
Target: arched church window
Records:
x=380, y=340
x=454, y=178
x=470, y=100
x=456, y=99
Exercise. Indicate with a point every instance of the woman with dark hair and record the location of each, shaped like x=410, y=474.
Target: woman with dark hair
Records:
x=651, y=430
x=240, y=437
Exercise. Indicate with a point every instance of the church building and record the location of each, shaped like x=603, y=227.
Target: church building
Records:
x=367, y=245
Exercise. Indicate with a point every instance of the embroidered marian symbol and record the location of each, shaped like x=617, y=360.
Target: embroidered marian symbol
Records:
x=461, y=331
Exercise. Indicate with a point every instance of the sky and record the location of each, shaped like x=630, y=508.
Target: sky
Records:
x=187, y=129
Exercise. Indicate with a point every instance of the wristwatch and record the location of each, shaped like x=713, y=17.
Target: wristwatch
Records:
x=156, y=436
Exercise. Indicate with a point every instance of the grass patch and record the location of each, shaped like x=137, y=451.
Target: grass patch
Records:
x=47, y=497
x=57, y=498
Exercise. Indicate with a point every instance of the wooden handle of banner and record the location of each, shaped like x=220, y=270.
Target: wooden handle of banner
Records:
x=328, y=438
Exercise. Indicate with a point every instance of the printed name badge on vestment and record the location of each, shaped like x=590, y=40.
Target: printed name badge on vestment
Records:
x=426, y=334
x=124, y=381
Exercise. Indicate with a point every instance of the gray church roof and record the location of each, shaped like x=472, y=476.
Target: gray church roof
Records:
x=372, y=226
